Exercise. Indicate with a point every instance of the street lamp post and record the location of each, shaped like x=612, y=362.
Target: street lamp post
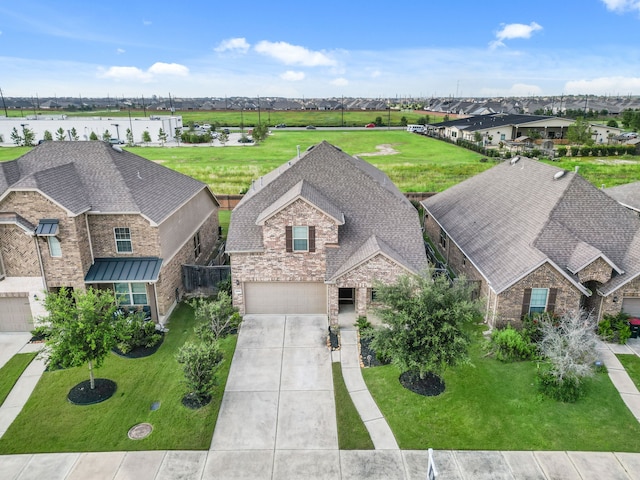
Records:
x=117, y=125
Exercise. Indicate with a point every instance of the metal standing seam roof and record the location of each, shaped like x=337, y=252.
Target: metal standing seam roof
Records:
x=47, y=227
x=137, y=269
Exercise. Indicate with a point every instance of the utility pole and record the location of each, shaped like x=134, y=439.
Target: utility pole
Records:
x=4, y=104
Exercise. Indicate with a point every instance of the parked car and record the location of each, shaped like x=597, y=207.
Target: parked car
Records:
x=310, y=127
x=281, y=125
x=370, y=125
x=116, y=141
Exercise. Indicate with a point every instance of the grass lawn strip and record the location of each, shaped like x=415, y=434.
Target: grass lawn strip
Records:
x=631, y=364
x=63, y=427
x=489, y=405
x=11, y=371
x=352, y=433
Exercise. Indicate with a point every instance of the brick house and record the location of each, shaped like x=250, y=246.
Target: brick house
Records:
x=79, y=214
x=319, y=231
x=536, y=238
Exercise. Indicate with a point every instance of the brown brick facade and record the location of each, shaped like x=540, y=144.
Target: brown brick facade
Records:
x=598, y=270
x=144, y=237
x=613, y=303
x=18, y=251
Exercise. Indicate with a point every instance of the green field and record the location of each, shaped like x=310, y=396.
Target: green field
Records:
x=415, y=163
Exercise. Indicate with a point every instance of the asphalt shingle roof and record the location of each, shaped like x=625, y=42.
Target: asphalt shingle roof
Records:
x=370, y=202
x=628, y=194
x=94, y=176
x=512, y=218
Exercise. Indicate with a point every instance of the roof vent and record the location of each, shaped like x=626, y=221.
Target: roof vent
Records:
x=117, y=148
x=514, y=160
x=559, y=175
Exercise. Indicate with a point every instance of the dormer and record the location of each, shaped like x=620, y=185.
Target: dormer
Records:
x=591, y=264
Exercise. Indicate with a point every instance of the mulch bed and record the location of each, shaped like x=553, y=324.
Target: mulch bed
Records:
x=429, y=386
x=194, y=402
x=140, y=352
x=82, y=394
x=368, y=355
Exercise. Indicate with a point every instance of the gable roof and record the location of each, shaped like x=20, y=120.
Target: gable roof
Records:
x=93, y=176
x=497, y=120
x=339, y=185
x=627, y=195
x=518, y=215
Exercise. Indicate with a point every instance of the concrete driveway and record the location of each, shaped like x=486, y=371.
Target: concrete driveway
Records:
x=277, y=416
x=11, y=343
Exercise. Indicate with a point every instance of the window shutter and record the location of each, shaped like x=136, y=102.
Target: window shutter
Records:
x=312, y=239
x=526, y=301
x=551, y=301
x=289, y=238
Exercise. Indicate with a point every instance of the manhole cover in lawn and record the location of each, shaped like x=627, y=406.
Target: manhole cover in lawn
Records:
x=140, y=431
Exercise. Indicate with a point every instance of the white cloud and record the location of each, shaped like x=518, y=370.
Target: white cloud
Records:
x=603, y=86
x=233, y=44
x=294, y=54
x=137, y=74
x=292, y=76
x=120, y=51
x=621, y=6
x=514, y=30
x=522, y=90
x=160, y=68
x=146, y=23
x=339, y=82
x=376, y=74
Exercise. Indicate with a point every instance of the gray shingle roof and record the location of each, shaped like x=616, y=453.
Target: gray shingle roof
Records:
x=371, y=205
x=628, y=195
x=514, y=217
x=93, y=175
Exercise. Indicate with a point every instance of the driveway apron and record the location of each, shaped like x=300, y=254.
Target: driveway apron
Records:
x=277, y=418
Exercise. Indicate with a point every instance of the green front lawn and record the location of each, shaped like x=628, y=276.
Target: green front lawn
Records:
x=631, y=364
x=49, y=423
x=352, y=433
x=490, y=405
x=11, y=371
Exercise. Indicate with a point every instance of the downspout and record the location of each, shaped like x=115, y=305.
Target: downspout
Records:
x=495, y=306
x=44, y=280
x=486, y=316
x=155, y=296
x=86, y=221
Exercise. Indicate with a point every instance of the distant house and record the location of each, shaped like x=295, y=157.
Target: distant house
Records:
x=318, y=232
x=536, y=238
x=80, y=214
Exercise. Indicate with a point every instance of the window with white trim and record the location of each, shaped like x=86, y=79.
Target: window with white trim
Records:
x=123, y=240
x=55, y=250
x=131, y=293
x=300, y=239
x=538, y=302
x=443, y=238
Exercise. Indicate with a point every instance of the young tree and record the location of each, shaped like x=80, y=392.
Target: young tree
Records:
x=83, y=329
x=162, y=136
x=29, y=137
x=146, y=136
x=129, y=136
x=61, y=136
x=178, y=133
x=569, y=345
x=47, y=135
x=74, y=134
x=93, y=136
x=425, y=319
x=223, y=138
x=216, y=317
x=106, y=136
x=260, y=132
x=200, y=362
x=580, y=132
x=16, y=137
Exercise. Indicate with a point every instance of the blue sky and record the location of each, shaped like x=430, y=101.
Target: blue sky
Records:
x=319, y=49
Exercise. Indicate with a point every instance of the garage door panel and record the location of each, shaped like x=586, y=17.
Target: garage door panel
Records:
x=631, y=305
x=285, y=297
x=15, y=314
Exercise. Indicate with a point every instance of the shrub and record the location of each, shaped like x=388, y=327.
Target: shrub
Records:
x=585, y=151
x=536, y=152
x=562, y=151
x=615, y=328
x=217, y=318
x=200, y=362
x=364, y=327
x=41, y=332
x=575, y=151
x=134, y=331
x=567, y=389
x=510, y=345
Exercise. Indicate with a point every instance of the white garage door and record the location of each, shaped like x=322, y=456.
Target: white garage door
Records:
x=631, y=306
x=15, y=314
x=285, y=297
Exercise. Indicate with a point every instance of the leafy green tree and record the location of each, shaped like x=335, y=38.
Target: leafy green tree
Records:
x=223, y=138
x=260, y=132
x=146, y=136
x=61, y=135
x=580, y=132
x=378, y=121
x=612, y=123
x=200, y=362
x=106, y=136
x=477, y=137
x=129, y=137
x=216, y=317
x=27, y=138
x=82, y=328
x=16, y=137
x=47, y=135
x=178, y=133
x=162, y=136
x=74, y=134
x=403, y=121
x=425, y=320
x=93, y=136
